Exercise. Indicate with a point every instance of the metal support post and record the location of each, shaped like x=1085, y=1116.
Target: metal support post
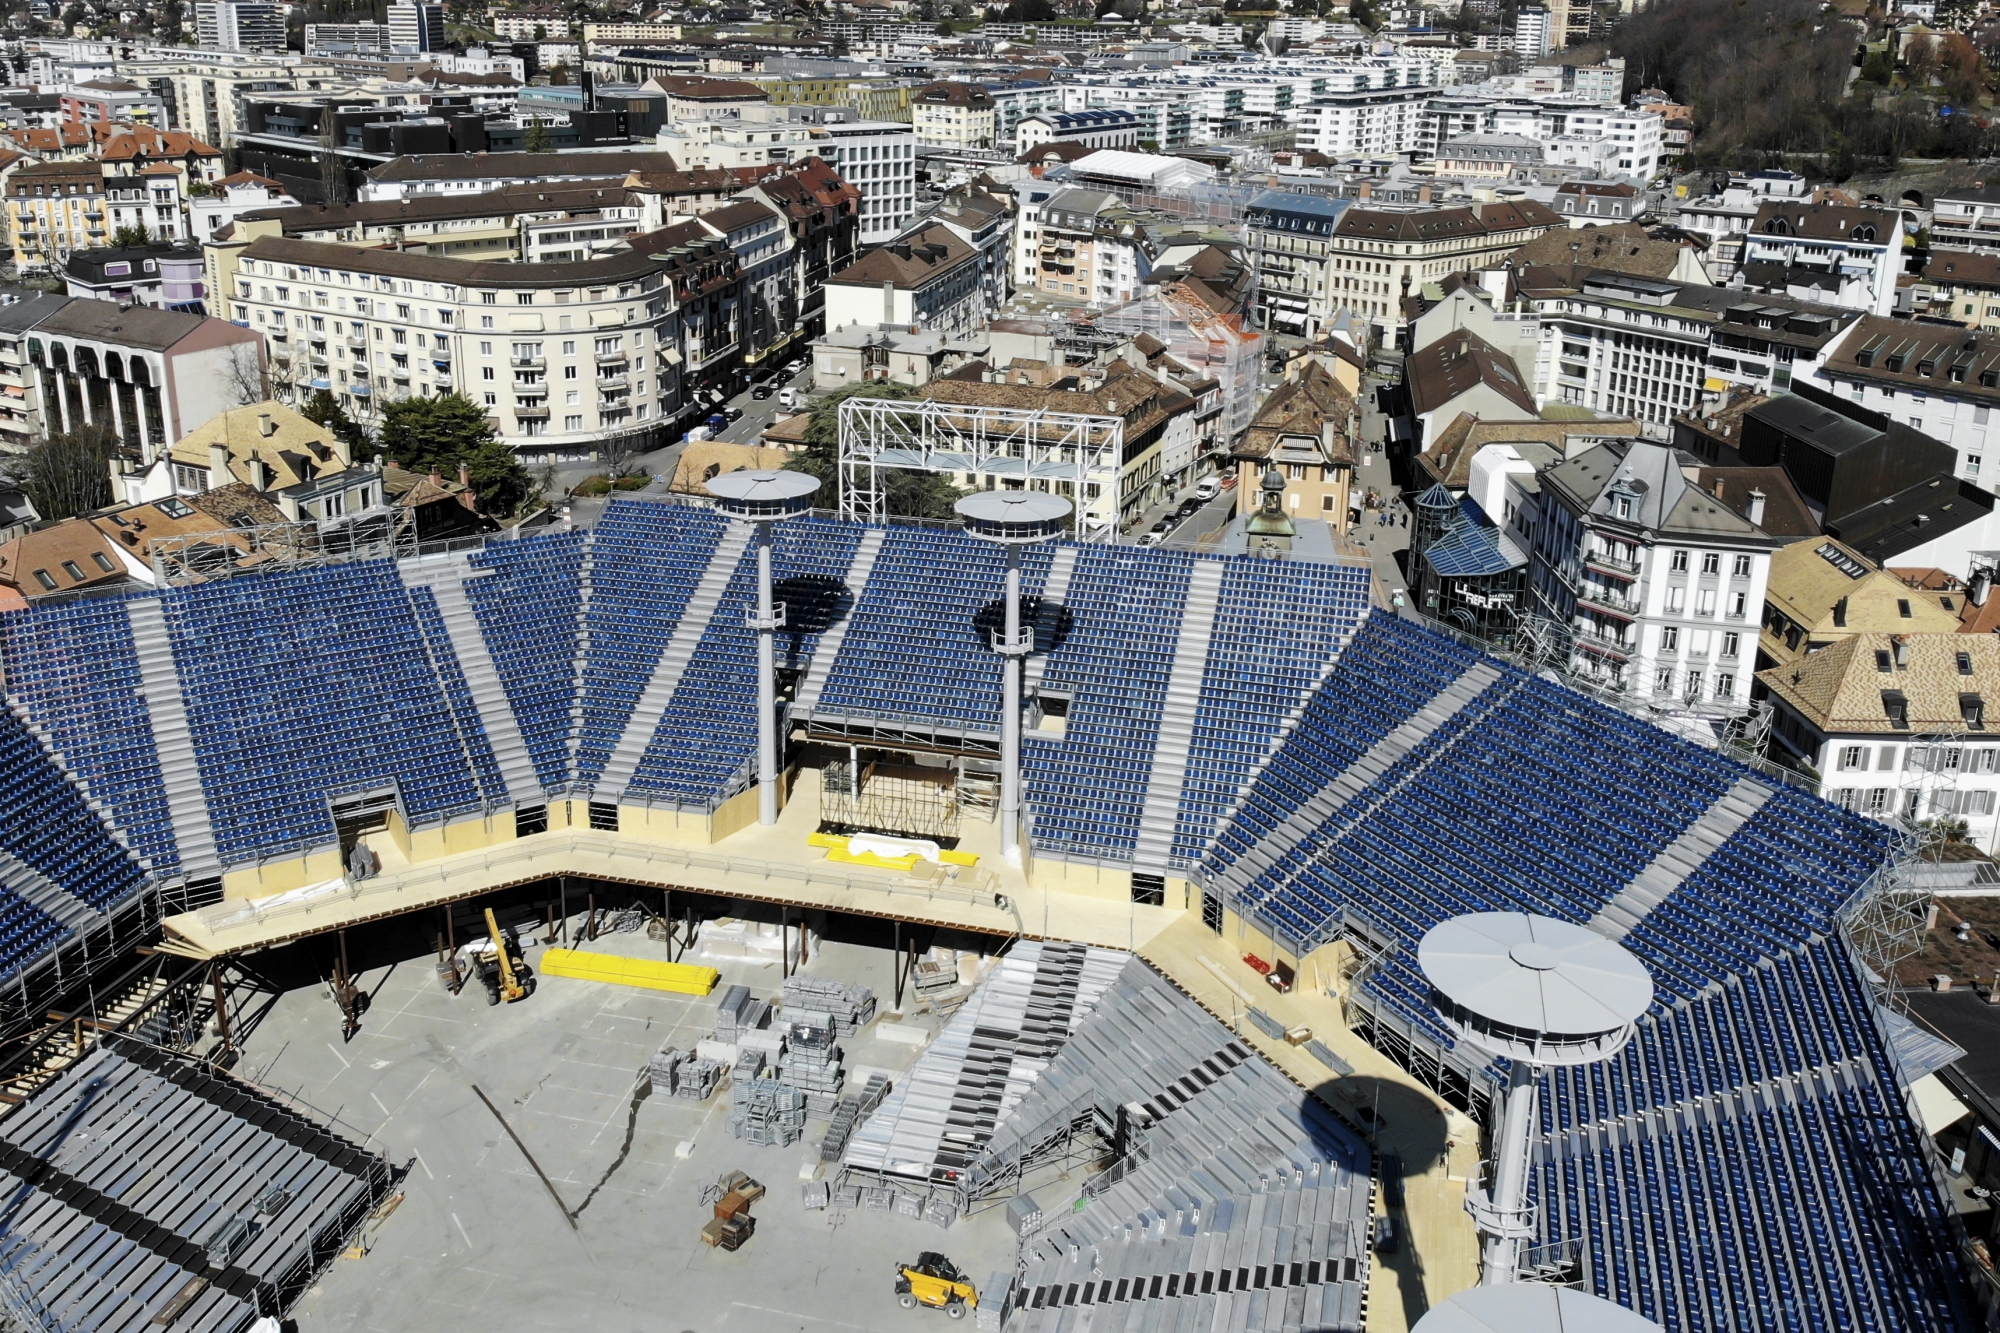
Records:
x=1510, y=1178
x=767, y=686
x=1010, y=715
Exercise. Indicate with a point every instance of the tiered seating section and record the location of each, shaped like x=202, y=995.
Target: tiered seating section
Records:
x=314, y=681
x=708, y=735
x=1088, y=790
x=645, y=561
x=1799, y=1202
x=1276, y=628
x=913, y=649
x=74, y=668
x=528, y=609
x=46, y=823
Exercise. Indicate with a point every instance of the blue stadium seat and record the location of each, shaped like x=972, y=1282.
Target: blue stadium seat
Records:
x=528, y=610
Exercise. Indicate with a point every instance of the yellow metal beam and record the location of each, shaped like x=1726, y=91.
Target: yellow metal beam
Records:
x=645, y=973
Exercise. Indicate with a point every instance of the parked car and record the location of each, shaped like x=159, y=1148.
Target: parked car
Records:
x=788, y=397
x=1163, y=525
x=1188, y=507
x=762, y=391
x=1153, y=538
x=733, y=413
x=717, y=423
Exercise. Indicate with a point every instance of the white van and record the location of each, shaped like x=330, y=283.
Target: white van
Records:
x=1207, y=489
x=788, y=397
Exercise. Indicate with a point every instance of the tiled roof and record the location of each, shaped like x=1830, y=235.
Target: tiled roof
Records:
x=1840, y=688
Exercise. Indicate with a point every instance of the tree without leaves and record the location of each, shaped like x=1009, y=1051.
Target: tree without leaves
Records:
x=68, y=473
x=243, y=376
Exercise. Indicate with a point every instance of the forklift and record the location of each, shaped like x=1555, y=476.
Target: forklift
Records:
x=499, y=966
x=935, y=1281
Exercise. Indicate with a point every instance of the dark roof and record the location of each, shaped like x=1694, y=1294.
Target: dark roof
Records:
x=89, y=265
x=134, y=326
x=1962, y=268
x=953, y=93
x=20, y=316
x=1438, y=224
x=911, y=261
x=1937, y=358
x=1067, y=152
x=624, y=267
x=1625, y=248
x=693, y=89
x=506, y=200
x=1911, y=517
x=1823, y=221
x=1786, y=513
x=1458, y=362
x=742, y=213
x=526, y=166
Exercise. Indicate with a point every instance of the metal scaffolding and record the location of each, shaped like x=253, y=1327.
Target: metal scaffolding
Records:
x=1073, y=454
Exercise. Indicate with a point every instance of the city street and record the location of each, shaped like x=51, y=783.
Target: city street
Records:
x=660, y=464
x=1383, y=542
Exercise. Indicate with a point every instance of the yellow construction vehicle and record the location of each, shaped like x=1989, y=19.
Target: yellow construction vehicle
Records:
x=935, y=1281
x=506, y=973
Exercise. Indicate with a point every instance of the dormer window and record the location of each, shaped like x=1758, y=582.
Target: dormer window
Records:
x=1973, y=710
x=1865, y=357
x=1926, y=368
x=1964, y=664
x=1894, y=365
x=1622, y=505
x=1882, y=663
x=1897, y=709
x=1864, y=233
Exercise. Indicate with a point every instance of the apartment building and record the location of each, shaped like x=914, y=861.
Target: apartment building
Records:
x=1090, y=249
x=239, y=25
x=559, y=354
x=1091, y=129
x=1942, y=381
x=22, y=417
x=1654, y=348
x=1833, y=253
x=1822, y=591
x=929, y=278
x=1291, y=243
x=369, y=40
x=1967, y=218
x=954, y=115
x=53, y=210
x=769, y=316
x=1962, y=286
x=1380, y=122
x=229, y=199
x=1661, y=586
x=1867, y=716
x=416, y=27
x=1378, y=255
x=877, y=157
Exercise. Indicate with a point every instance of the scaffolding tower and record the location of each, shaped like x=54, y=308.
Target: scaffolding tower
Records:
x=913, y=800
x=1076, y=455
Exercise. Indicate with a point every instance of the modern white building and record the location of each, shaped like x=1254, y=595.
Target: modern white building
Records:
x=347, y=39
x=239, y=25
x=1839, y=254
x=1533, y=33
x=416, y=27
x=230, y=198
x=1725, y=217
x=1092, y=129
x=1368, y=123
x=879, y=157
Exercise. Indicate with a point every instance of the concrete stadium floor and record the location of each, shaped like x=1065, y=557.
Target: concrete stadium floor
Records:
x=478, y=1242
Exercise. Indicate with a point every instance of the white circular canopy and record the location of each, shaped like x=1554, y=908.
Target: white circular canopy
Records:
x=763, y=492
x=1535, y=973
x=1014, y=516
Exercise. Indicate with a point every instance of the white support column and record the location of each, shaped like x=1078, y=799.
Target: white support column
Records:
x=1510, y=1177
x=1010, y=713
x=767, y=622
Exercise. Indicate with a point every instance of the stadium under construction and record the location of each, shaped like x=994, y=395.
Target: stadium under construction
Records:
x=1175, y=941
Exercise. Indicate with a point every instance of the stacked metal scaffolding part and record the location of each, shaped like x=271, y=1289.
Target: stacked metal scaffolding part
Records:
x=850, y=1007
x=678, y=1073
x=767, y=1112
x=1218, y=345
x=738, y=1012
x=145, y=1190
x=934, y=1124
x=811, y=1062
x=850, y=1111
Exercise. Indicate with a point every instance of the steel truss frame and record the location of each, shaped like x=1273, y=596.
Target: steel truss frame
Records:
x=1014, y=447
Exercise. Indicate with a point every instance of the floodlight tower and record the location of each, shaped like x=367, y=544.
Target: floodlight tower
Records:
x=1531, y=1307
x=1014, y=519
x=1538, y=992
x=763, y=498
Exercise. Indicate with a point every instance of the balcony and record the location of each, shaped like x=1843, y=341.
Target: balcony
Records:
x=1597, y=641
x=1611, y=564
x=535, y=412
x=614, y=383
x=360, y=389
x=612, y=358
x=443, y=382
x=1597, y=595
x=527, y=362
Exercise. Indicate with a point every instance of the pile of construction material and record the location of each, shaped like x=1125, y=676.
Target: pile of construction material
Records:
x=811, y=1062
x=739, y=1012
x=851, y=1008
x=943, y=979
x=731, y=1197
x=730, y=939
x=767, y=1112
x=677, y=1073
